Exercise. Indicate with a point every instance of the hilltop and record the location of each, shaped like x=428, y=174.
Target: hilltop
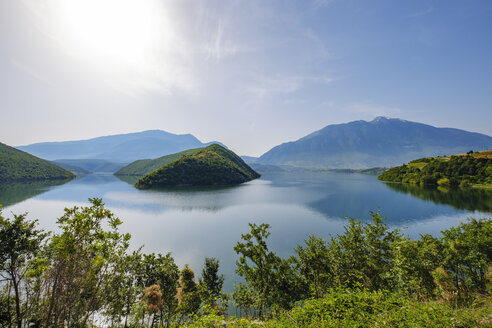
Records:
x=145, y=166
x=120, y=148
x=472, y=169
x=19, y=166
x=212, y=165
x=383, y=142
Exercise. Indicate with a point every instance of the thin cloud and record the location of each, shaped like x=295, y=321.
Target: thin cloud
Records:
x=218, y=48
x=266, y=85
x=422, y=13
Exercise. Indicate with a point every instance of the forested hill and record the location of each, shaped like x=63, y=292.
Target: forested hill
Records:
x=19, y=166
x=382, y=142
x=213, y=165
x=458, y=170
x=145, y=166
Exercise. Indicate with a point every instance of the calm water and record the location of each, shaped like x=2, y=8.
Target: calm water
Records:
x=194, y=223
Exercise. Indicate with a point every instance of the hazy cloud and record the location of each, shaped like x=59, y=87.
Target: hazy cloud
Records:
x=424, y=12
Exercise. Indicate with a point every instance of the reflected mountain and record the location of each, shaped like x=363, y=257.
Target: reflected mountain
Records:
x=472, y=199
x=13, y=193
x=130, y=179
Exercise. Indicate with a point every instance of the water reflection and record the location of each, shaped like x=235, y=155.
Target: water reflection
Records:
x=12, y=193
x=208, y=221
x=472, y=199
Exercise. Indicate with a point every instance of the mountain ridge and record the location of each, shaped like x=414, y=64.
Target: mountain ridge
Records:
x=120, y=148
x=381, y=142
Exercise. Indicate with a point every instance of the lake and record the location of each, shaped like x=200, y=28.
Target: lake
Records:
x=192, y=223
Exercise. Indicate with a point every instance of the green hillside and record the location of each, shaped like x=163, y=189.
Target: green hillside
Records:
x=18, y=166
x=212, y=165
x=145, y=166
x=473, y=169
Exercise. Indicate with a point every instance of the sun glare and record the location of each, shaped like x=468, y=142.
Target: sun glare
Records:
x=111, y=30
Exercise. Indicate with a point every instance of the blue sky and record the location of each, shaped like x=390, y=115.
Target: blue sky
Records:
x=251, y=74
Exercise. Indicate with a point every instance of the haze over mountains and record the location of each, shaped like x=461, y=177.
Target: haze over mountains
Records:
x=382, y=142
x=121, y=148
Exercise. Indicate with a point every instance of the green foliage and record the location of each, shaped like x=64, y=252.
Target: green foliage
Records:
x=367, y=276
x=314, y=265
x=84, y=254
x=18, y=166
x=188, y=294
x=455, y=171
x=271, y=281
x=357, y=308
x=212, y=165
x=211, y=284
x=145, y=166
x=467, y=255
x=20, y=244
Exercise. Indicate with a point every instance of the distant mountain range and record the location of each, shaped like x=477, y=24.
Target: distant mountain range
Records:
x=383, y=142
x=121, y=148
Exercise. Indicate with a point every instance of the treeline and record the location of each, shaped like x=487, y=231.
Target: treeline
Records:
x=460, y=171
x=85, y=276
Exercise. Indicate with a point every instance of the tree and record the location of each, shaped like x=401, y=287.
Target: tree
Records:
x=257, y=265
x=82, y=261
x=123, y=291
x=314, y=264
x=158, y=269
x=272, y=282
x=211, y=283
x=467, y=256
x=20, y=243
x=414, y=262
x=188, y=294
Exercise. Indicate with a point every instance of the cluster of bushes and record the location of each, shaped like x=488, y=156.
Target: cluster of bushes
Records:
x=85, y=276
x=460, y=171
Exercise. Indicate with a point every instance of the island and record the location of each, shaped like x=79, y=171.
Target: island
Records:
x=473, y=169
x=209, y=166
x=19, y=166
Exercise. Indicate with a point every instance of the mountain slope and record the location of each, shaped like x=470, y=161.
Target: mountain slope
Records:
x=145, y=166
x=19, y=166
x=212, y=165
x=123, y=148
x=90, y=165
x=381, y=142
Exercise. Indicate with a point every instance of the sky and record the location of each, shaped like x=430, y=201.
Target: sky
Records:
x=249, y=73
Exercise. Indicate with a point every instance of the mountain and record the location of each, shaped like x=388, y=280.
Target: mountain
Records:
x=383, y=142
x=212, y=165
x=145, y=166
x=120, y=148
x=89, y=165
x=19, y=166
